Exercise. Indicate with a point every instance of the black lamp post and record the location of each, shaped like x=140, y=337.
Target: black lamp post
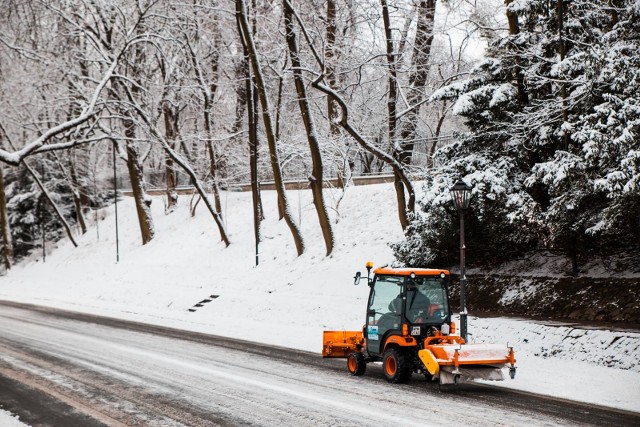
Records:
x=461, y=196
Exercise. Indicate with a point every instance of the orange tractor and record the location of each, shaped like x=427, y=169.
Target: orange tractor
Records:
x=409, y=329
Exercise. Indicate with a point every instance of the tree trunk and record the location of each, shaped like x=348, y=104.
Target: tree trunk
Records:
x=512, y=19
x=343, y=171
x=208, y=94
x=268, y=124
x=254, y=149
x=252, y=124
x=278, y=115
x=421, y=62
x=563, y=85
x=514, y=29
x=436, y=137
x=255, y=120
x=316, y=179
x=346, y=124
x=613, y=8
x=213, y=170
x=171, y=132
x=7, y=247
x=213, y=156
x=392, y=96
x=142, y=201
x=252, y=118
x=392, y=120
x=76, y=189
x=241, y=95
x=71, y=177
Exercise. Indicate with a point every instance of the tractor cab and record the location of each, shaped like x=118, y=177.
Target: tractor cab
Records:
x=405, y=306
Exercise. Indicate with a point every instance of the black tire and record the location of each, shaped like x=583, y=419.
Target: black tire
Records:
x=356, y=364
x=396, y=366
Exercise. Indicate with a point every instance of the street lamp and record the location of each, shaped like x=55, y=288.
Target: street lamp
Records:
x=461, y=196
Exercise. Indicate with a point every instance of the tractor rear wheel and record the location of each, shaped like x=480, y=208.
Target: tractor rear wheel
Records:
x=356, y=364
x=396, y=366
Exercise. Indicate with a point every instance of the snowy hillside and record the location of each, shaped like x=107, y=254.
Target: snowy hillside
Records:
x=289, y=300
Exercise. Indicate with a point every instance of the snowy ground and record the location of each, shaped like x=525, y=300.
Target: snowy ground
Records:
x=289, y=300
x=9, y=420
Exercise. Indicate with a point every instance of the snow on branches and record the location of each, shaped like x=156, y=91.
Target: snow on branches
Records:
x=553, y=148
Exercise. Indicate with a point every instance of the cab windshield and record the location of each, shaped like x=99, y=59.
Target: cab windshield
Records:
x=426, y=300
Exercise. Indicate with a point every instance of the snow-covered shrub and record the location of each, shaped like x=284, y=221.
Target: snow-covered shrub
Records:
x=495, y=224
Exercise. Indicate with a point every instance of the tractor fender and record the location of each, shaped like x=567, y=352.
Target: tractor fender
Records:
x=400, y=341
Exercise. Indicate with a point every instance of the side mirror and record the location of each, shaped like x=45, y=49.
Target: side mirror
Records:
x=356, y=278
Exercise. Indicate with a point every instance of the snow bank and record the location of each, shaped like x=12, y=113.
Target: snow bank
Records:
x=7, y=419
x=615, y=349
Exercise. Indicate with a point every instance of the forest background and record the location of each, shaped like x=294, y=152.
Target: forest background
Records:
x=534, y=104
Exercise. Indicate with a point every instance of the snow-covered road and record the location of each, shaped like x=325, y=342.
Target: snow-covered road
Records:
x=125, y=374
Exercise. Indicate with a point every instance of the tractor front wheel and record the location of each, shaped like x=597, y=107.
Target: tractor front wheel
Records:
x=396, y=366
x=356, y=363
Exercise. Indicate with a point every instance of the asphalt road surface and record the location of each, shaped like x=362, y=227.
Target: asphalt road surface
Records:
x=66, y=369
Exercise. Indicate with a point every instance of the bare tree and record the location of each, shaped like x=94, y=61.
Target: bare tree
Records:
x=392, y=121
x=142, y=200
x=76, y=190
x=7, y=250
x=127, y=89
x=330, y=55
x=251, y=103
x=123, y=71
x=268, y=124
x=155, y=133
x=171, y=116
x=396, y=166
x=316, y=179
x=420, y=66
x=208, y=90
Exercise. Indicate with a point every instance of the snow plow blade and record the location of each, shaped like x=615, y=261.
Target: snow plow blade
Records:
x=452, y=361
x=341, y=343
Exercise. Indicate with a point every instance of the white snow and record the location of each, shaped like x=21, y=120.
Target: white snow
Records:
x=288, y=300
x=7, y=419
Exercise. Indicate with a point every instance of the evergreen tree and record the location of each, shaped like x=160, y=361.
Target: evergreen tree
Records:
x=552, y=149
x=30, y=214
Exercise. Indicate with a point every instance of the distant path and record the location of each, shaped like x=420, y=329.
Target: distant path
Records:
x=59, y=368
x=296, y=184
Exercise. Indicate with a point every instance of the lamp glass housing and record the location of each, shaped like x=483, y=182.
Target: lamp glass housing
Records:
x=461, y=195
